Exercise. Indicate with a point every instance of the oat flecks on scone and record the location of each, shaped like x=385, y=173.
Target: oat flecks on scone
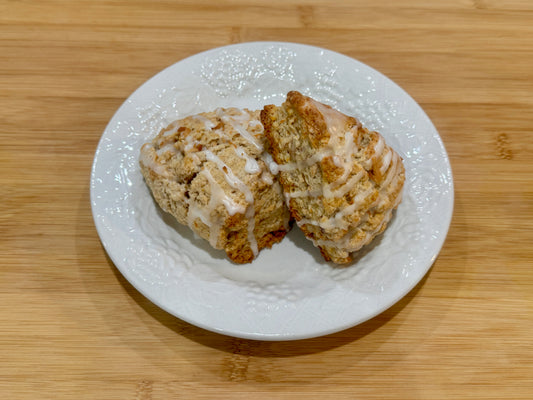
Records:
x=209, y=172
x=341, y=181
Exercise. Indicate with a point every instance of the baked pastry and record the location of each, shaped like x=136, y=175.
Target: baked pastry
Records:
x=340, y=180
x=208, y=171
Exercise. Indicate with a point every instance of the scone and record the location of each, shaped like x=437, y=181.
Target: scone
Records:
x=341, y=181
x=208, y=171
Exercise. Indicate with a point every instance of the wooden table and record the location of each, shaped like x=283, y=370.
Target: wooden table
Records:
x=73, y=327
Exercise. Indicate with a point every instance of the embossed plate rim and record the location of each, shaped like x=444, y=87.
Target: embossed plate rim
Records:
x=334, y=300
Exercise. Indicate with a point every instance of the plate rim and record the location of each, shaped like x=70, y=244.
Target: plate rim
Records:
x=125, y=272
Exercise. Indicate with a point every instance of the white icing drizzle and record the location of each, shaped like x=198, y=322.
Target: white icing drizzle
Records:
x=169, y=147
x=236, y=183
x=335, y=121
x=342, y=148
x=378, y=152
x=171, y=129
x=337, y=221
x=148, y=159
x=392, y=174
x=249, y=128
x=230, y=177
x=318, y=156
x=344, y=242
x=222, y=134
x=346, y=186
x=208, y=124
x=204, y=213
x=190, y=143
x=390, y=184
x=267, y=178
x=255, y=122
x=337, y=161
x=303, y=193
x=272, y=166
x=238, y=122
x=251, y=166
x=218, y=196
x=386, y=162
x=380, y=146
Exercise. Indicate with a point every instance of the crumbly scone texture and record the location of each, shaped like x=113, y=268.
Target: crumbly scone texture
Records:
x=340, y=180
x=209, y=172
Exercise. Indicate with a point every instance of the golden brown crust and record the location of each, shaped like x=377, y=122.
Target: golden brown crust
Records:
x=340, y=180
x=208, y=171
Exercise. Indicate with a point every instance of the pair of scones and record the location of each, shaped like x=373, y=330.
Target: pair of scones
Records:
x=238, y=177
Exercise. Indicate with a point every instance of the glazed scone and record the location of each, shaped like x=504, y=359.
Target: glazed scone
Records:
x=208, y=171
x=341, y=181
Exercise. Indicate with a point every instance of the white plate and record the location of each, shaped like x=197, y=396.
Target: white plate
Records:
x=288, y=292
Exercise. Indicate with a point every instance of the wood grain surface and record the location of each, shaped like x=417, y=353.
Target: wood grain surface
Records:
x=72, y=327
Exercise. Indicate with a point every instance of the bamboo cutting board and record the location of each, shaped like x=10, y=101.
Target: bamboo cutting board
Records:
x=73, y=327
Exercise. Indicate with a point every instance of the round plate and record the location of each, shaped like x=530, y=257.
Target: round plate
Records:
x=288, y=292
